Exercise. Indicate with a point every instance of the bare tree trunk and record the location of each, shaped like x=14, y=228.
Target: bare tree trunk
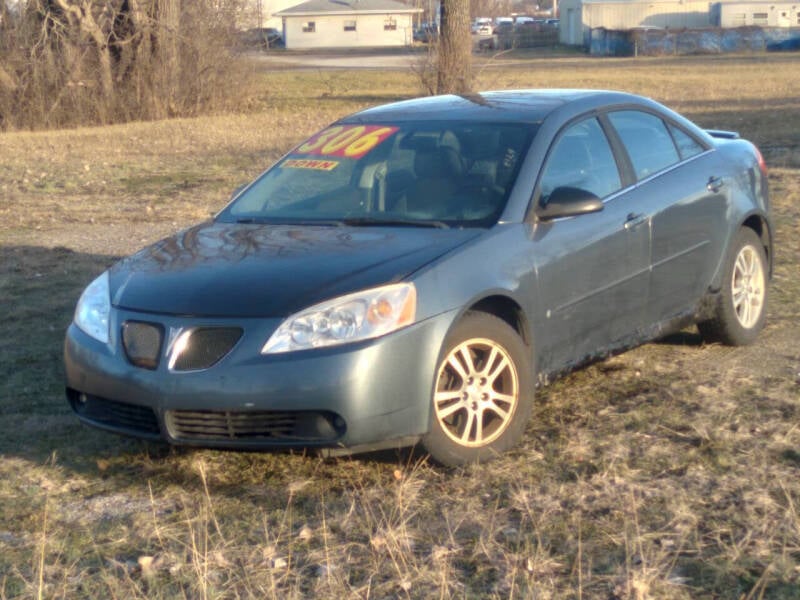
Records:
x=168, y=14
x=4, y=16
x=7, y=81
x=143, y=67
x=455, y=49
x=81, y=14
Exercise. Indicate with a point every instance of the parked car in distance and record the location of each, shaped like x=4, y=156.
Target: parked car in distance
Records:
x=411, y=273
x=503, y=28
x=482, y=26
x=426, y=33
x=265, y=37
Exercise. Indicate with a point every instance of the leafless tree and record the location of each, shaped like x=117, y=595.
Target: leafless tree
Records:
x=68, y=62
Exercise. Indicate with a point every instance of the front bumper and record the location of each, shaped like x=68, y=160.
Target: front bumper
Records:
x=363, y=395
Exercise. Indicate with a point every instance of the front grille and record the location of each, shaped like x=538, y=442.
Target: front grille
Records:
x=142, y=343
x=118, y=415
x=203, y=347
x=255, y=426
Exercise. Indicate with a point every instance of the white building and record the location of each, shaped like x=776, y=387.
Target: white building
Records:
x=763, y=14
x=348, y=24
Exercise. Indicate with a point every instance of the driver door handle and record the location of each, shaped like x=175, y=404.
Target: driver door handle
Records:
x=715, y=184
x=634, y=220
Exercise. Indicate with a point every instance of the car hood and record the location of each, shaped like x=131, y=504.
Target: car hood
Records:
x=243, y=270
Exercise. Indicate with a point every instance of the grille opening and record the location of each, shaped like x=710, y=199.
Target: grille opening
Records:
x=204, y=347
x=255, y=426
x=142, y=343
x=117, y=415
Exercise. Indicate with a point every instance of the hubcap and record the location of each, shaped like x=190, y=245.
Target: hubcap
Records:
x=747, y=287
x=476, y=394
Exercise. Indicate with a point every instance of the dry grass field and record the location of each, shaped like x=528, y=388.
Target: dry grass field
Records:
x=671, y=471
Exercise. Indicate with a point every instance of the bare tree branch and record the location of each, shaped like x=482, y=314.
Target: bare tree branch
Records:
x=81, y=13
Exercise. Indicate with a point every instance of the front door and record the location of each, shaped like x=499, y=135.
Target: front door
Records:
x=592, y=270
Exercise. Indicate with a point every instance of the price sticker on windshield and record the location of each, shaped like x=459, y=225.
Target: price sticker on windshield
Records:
x=346, y=141
x=316, y=165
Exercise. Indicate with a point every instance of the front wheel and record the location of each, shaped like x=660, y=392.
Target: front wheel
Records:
x=741, y=309
x=482, y=397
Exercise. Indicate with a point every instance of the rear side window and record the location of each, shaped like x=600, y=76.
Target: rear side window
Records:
x=581, y=158
x=649, y=144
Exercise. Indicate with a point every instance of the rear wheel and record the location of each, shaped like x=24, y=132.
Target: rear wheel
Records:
x=482, y=397
x=741, y=308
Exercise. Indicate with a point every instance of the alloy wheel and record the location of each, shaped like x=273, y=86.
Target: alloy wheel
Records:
x=477, y=392
x=747, y=286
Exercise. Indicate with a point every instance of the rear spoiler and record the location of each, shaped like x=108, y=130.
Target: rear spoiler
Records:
x=723, y=135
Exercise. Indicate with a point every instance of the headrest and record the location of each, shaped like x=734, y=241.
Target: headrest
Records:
x=442, y=162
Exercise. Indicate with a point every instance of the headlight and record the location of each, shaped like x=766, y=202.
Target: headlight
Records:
x=350, y=318
x=93, y=309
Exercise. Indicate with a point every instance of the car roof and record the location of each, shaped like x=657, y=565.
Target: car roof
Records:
x=525, y=106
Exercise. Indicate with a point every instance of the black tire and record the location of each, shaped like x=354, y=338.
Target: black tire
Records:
x=500, y=393
x=741, y=306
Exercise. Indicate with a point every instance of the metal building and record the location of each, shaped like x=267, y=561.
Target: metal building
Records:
x=579, y=17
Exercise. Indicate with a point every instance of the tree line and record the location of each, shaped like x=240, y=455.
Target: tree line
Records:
x=71, y=62
x=77, y=62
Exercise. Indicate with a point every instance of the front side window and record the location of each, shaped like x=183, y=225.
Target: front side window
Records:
x=443, y=173
x=647, y=141
x=581, y=158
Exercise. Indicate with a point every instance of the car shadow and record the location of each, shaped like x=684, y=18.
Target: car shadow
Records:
x=40, y=287
x=681, y=338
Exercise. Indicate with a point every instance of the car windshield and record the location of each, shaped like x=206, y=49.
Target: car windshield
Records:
x=443, y=174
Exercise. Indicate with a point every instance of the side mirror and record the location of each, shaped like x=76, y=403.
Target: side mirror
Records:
x=569, y=202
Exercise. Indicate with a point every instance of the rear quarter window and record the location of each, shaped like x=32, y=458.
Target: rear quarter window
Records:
x=687, y=145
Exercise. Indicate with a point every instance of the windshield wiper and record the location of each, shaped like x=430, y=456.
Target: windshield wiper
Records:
x=371, y=221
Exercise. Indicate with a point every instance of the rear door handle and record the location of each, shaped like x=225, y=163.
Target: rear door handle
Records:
x=634, y=219
x=715, y=184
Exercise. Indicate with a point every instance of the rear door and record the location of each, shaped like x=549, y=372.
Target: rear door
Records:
x=592, y=269
x=684, y=195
